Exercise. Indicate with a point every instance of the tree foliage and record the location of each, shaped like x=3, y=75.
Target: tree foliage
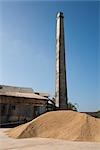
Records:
x=72, y=106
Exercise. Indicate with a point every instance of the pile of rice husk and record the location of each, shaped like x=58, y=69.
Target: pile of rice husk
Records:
x=67, y=125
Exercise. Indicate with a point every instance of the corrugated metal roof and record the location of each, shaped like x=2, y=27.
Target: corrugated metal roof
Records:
x=26, y=95
x=6, y=88
x=42, y=94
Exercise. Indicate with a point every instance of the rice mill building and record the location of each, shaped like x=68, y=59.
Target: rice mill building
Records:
x=21, y=104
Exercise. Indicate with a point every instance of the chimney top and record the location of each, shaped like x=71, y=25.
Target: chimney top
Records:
x=60, y=14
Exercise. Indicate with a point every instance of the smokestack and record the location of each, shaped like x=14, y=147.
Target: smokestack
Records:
x=61, y=83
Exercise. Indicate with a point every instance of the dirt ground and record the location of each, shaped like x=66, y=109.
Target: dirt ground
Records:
x=7, y=143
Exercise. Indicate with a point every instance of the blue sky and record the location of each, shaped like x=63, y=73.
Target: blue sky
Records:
x=28, y=48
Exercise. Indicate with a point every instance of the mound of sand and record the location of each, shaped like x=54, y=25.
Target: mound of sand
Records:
x=67, y=125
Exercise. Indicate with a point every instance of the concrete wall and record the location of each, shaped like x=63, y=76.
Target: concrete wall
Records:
x=13, y=112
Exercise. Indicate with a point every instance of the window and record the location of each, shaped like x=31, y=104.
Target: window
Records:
x=13, y=107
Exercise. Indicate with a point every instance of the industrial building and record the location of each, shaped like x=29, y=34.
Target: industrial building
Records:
x=21, y=104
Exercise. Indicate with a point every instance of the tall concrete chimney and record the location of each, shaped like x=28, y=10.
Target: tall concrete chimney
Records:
x=61, y=84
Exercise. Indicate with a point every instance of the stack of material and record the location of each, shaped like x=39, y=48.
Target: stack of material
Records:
x=67, y=125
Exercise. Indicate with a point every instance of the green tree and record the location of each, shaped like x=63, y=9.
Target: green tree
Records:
x=97, y=114
x=72, y=106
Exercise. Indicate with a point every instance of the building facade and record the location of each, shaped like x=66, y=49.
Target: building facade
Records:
x=20, y=104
